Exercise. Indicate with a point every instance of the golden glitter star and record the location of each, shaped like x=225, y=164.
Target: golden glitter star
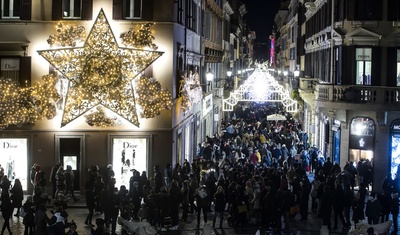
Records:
x=100, y=73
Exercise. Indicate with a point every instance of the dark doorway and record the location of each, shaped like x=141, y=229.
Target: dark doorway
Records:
x=70, y=154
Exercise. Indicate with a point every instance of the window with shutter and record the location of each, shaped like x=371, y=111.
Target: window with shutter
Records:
x=72, y=9
x=10, y=9
x=132, y=9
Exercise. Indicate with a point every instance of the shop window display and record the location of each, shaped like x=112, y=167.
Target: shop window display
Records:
x=128, y=154
x=12, y=151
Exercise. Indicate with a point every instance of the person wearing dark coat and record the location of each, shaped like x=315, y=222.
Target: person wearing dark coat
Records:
x=304, y=197
x=158, y=178
x=29, y=218
x=165, y=207
x=175, y=195
x=201, y=197
x=338, y=204
x=90, y=201
x=17, y=196
x=219, y=201
x=185, y=200
x=385, y=200
x=327, y=166
x=135, y=195
x=394, y=209
x=100, y=230
x=6, y=211
x=373, y=209
x=113, y=201
x=326, y=206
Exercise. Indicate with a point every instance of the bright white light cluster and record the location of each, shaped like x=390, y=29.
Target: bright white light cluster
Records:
x=260, y=87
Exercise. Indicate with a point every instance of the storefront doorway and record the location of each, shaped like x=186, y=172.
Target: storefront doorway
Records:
x=70, y=153
x=362, y=139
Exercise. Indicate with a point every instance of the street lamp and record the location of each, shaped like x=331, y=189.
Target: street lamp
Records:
x=229, y=74
x=285, y=73
x=209, y=77
x=296, y=73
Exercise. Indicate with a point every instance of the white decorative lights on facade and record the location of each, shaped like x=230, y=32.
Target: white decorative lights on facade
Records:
x=260, y=87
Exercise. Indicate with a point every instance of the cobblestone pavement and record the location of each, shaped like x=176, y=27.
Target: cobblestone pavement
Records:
x=78, y=213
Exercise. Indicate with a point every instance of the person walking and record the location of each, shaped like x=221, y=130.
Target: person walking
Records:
x=90, y=201
x=373, y=209
x=29, y=218
x=338, y=204
x=395, y=212
x=201, y=198
x=219, y=200
x=326, y=206
x=53, y=180
x=17, y=196
x=185, y=200
x=6, y=211
x=60, y=180
x=176, y=197
x=69, y=182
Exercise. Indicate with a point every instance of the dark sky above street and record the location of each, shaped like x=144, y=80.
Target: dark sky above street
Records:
x=260, y=17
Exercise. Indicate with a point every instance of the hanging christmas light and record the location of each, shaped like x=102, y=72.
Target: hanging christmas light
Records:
x=101, y=72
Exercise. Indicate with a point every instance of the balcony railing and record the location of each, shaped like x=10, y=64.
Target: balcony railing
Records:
x=351, y=93
x=358, y=94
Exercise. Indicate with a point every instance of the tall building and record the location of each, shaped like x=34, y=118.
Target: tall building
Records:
x=347, y=52
x=124, y=82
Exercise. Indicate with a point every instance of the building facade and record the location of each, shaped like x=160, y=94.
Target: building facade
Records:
x=347, y=52
x=186, y=38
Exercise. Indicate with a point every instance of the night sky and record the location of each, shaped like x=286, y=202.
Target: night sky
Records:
x=260, y=17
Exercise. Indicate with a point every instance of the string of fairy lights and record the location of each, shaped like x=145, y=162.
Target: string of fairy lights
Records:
x=26, y=105
x=104, y=81
x=103, y=74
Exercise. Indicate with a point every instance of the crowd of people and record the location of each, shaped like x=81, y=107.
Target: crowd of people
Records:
x=255, y=173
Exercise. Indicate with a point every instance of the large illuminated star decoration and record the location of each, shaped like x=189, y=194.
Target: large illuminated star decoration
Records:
x=100, y=73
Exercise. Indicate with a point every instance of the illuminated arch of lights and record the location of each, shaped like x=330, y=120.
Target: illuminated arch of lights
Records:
x=260, y=87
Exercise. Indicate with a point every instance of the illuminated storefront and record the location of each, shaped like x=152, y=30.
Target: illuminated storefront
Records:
x=128, y=153
x=394, y=147
x=15, y=151
x=362, y=139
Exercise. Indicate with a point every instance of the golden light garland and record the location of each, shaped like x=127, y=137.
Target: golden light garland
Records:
x=67, y=35
x=141, y=38
x=27, y=105
x=190, y=91
x=151, y=97
x=100, y=72
x=99, y=118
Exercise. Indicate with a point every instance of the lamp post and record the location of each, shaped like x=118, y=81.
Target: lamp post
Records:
x=229, y=74
x=210, y=78
x=295, y=83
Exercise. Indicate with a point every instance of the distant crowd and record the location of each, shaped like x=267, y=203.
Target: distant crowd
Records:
x=255, y=173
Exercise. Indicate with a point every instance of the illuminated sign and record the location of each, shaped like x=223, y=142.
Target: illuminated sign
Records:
x=128, y=154
x=13, y=151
